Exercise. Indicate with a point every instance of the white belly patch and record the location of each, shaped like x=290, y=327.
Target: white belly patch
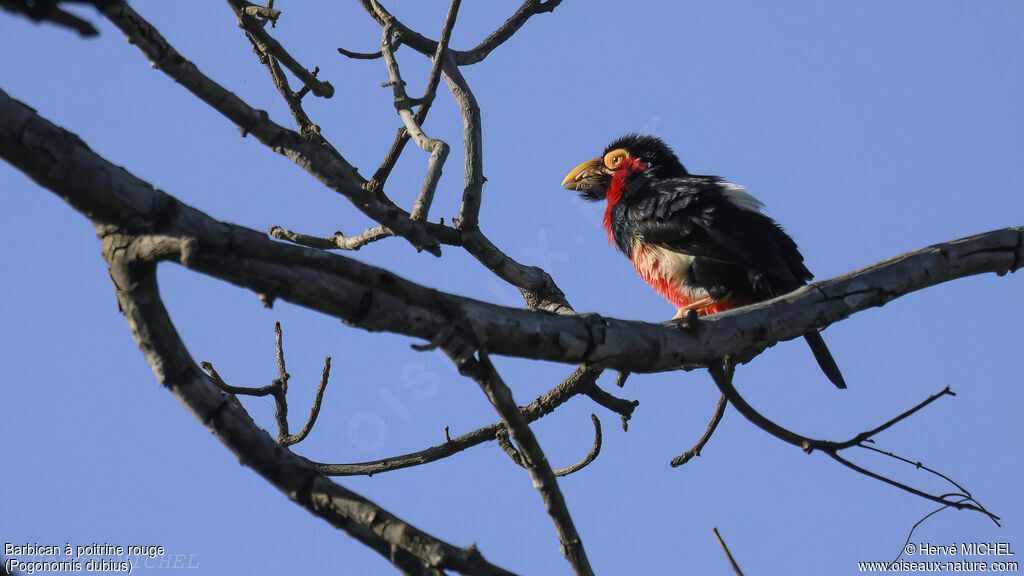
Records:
x=667, y=272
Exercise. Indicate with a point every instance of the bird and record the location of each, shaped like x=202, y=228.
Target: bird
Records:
x=703, y=243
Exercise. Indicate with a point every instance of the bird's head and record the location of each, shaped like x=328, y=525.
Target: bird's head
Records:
x=631, y=153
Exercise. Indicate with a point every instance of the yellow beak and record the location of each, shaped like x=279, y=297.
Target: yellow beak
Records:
x=581, y=172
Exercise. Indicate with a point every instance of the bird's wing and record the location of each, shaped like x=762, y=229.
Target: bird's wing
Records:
x=705, y=217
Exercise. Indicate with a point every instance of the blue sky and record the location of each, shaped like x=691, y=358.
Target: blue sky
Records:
x=868, y=129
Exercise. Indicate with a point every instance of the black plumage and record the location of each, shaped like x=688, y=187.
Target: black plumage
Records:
x=700, y=241
x=732, y=246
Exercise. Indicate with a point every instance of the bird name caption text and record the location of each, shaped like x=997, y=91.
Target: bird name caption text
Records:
x=102, y=558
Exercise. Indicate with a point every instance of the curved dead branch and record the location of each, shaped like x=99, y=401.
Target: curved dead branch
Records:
x=716, y=418
x=516, y=456
x=591, y=456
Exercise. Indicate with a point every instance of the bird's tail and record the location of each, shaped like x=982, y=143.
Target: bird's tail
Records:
x=824, y=358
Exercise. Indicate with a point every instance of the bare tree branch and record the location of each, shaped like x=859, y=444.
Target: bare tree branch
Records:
x=266, y=44
x=506, y=30
x=141, y=227
x=515, y=456
x=265, y=12
x=910, y=534
x=483, y=372
x=412, y=550
x=732, y=561
x=331, y=168
x=375, y=299
x=624, y=408
x=364, y=55
x=469, y=214
x=293, y=100
x=723, y=379
x=506, y=445
x=279, y=390
x=323, y=163
x=590, y=457
x=577, y=382
x=438, y=149
x=48, y=11
x=427, y=46
x=712, y=425
x=337, y=241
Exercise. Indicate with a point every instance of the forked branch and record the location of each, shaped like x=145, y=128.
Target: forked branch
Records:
x=722, y=373
x=516, y=456
x=279, y=390
x=266, y=44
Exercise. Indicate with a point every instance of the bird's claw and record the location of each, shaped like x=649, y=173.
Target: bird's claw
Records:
x=688, y=319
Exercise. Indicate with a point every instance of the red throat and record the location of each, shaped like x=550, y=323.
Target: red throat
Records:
x=614, y=192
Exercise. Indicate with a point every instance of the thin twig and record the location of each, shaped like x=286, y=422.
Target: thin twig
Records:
x=914, y=527
x=49, y=12
x=368, y=55
x=622, y=407
x=292, y=99
x=723, y=379
x=279, y=390
x=859, y=438
x=268, y=45
x=237, y=390
x=410, y=549
x=506, y=445
x=472, y=141
x=538, y=288
x=966, y=502
x=483, y=372
x=732, y=561
x=590, y=457
x=712, y=425
x=437, y=149
x=336, y=242
x=496, y=38
x=917, y=465
x=333, y=170
x=517, y=457
x=474, y=178
x=574, y=384
x=281, y=393
x=314, y=411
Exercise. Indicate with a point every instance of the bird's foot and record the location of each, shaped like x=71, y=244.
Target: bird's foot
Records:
x=688, y=318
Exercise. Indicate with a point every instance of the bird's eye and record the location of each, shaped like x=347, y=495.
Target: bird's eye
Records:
x=615, y=159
